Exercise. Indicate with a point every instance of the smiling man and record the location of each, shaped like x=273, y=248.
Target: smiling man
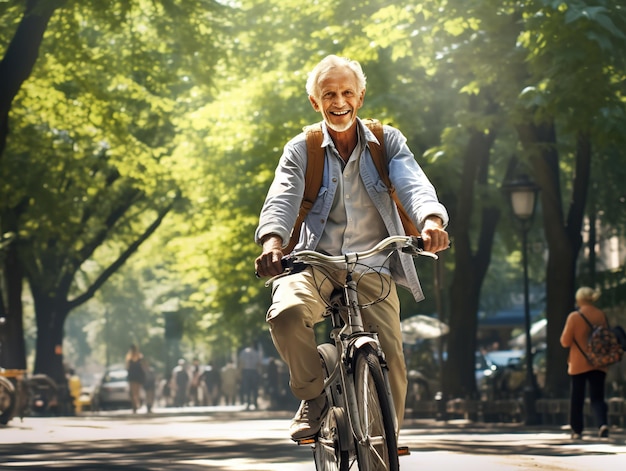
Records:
x=353, y=212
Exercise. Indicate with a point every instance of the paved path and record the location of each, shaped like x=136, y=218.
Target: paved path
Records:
x=465, y=446
x=211, y=439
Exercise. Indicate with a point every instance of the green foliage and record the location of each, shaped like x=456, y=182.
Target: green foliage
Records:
x=142, y=103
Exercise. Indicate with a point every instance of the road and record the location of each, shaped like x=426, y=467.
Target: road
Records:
x=230, y=439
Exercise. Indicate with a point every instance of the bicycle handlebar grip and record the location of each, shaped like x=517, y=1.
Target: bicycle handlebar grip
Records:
x=418, y=242
x=289, y=264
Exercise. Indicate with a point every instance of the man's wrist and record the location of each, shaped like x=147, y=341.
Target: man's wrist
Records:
x=271, y=241
x=434, y=219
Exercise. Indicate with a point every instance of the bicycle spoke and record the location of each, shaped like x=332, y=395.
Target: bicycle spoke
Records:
x=376, y=449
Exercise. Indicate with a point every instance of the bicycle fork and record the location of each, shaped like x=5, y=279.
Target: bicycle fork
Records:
x=351, y=343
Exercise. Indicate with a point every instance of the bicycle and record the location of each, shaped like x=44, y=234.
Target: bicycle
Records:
x=361, y=423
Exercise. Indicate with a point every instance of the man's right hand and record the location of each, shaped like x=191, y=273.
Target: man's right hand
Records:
x=269, y=262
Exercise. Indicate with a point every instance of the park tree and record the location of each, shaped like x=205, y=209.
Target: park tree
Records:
x=540, y=79
x=15, y=67
x=187, y=128
x=574, y=95
x=93, y=119
x=513, y=73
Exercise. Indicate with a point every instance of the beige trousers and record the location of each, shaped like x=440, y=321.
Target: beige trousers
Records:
x=297, y=305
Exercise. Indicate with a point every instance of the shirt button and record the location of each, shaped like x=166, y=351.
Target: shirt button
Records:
x=334, y=180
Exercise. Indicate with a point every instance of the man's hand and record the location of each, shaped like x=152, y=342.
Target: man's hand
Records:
x=434, y=235
x=268, y=263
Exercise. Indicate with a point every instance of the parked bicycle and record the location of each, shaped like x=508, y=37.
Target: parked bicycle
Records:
x=360, y=425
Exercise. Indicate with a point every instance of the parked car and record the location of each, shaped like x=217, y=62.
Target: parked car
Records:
x=507, y=376
x=113, y=391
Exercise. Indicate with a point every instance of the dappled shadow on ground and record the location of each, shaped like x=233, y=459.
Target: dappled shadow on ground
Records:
x=187, y=455
x=232, y=446
x=509, y=440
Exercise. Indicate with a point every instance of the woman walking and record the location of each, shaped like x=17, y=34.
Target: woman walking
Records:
x=136, y=375
x=574, y=336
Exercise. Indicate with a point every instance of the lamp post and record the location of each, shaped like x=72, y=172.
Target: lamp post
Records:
x=522, y=193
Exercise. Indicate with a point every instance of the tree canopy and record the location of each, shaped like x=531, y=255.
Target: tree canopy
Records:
x=151, y=129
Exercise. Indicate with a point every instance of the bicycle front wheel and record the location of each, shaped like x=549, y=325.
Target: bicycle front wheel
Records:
x=378, y=450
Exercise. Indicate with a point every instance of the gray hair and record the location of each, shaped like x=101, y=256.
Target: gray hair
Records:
x=328, y=63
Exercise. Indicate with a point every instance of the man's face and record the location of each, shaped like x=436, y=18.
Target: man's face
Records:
x=339, y=98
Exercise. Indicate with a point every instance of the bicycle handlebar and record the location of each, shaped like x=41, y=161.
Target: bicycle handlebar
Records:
x=297, y=261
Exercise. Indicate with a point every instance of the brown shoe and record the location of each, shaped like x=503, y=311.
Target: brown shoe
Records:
x=308, y=420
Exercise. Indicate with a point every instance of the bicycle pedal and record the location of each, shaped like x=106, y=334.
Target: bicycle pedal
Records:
x=306, y=441
x=403, y=451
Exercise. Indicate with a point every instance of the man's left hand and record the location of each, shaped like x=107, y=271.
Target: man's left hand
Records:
x=434, y=235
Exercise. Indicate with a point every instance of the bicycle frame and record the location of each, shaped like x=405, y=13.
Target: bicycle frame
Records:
x=350, y=338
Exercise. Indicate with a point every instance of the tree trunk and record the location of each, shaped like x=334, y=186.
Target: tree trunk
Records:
x=470, y=269
x=51, y=315
x=563, y=237
x=15, y=68
x=12, y=347
x=51, y=286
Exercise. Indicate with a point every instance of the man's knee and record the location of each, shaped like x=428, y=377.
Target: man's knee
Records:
x=288, y=320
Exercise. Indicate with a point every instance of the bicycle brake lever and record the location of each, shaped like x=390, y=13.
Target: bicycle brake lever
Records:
x=290, y=266
x=416, y=247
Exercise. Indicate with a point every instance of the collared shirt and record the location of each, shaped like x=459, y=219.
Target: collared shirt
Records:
x=415, y=191
x=353, y=223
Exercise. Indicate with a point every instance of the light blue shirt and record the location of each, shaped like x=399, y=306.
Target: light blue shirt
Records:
x=417, y=194
x=350, y=226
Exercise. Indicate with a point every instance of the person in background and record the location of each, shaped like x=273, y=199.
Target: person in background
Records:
x=74, y=385
x=180, y=383
x=574, y=336
x=272, y=383
x=249, y=368
x=229, y=381
x=136, y=375
x=149, y=384
x=210, y=379
x=197, y=394
x=353, y=212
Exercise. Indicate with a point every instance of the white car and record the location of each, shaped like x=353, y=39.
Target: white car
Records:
x=113, y=391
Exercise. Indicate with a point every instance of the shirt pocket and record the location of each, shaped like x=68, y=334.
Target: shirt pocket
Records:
x=320, y=201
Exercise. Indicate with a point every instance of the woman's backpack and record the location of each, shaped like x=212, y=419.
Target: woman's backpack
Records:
x=603, y=346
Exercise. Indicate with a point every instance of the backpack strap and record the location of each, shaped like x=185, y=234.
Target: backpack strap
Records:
x=574, y=338
x=382, y=166
x=312, y=179
x=585, y=317
x=315, y=171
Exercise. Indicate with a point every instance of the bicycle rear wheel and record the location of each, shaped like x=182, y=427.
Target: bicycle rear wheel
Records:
x=379, y=448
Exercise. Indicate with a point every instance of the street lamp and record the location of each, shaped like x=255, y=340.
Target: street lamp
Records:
x=522, y=193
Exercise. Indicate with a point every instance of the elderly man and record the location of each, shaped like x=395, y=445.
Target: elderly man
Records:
x=353, y=212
